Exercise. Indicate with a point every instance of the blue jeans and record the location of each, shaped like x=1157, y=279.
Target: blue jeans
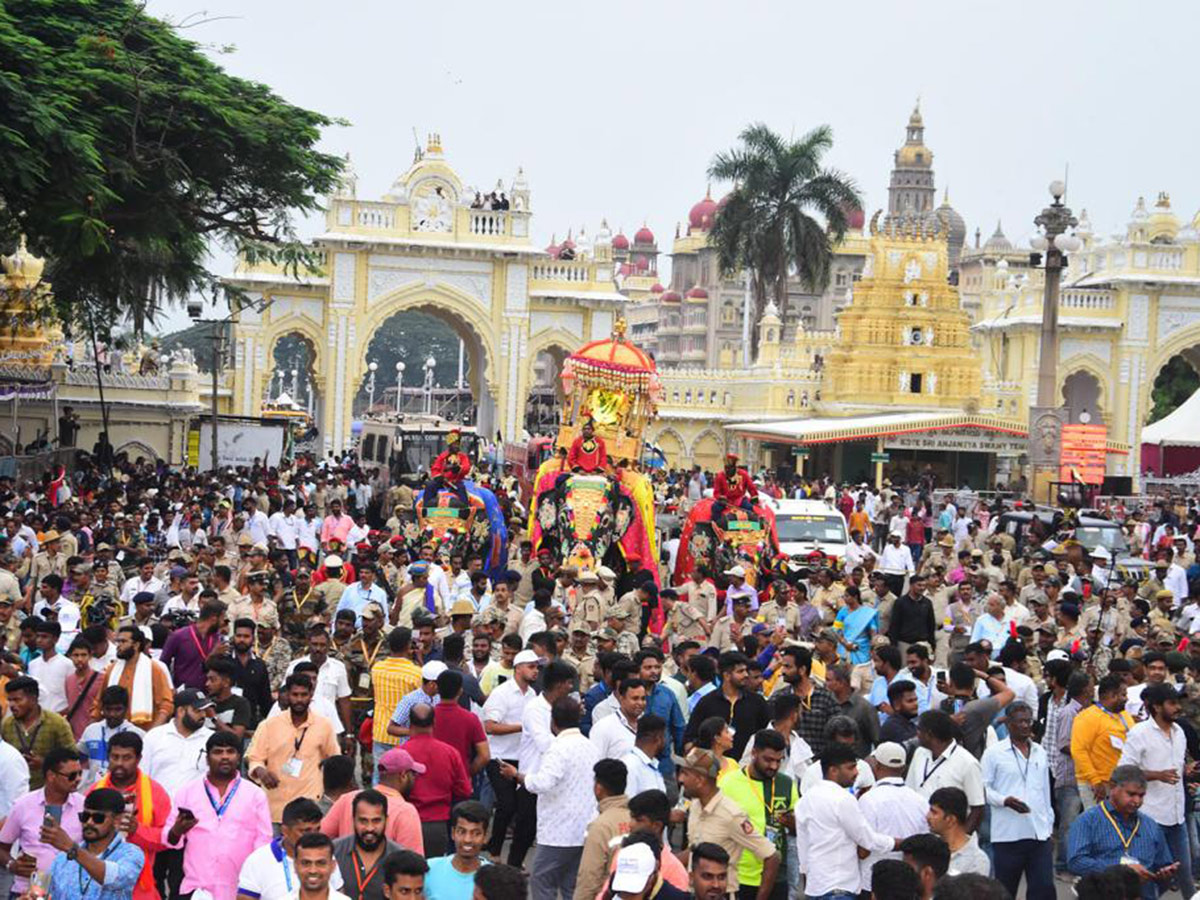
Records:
x=1177, y=840
x=1067, y=807
x=832, y=895
x=1030, y=858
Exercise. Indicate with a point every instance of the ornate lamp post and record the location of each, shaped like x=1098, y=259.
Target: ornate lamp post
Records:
x=371, y=367
x=430, y=363
x=399, y=383
x=1047, y=417
x=296, y=385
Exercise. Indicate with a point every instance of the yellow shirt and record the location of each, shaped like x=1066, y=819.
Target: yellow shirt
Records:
x=391, y=679
x=1097, y=739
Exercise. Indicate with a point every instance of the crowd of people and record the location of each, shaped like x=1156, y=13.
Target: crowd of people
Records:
x=249, y=685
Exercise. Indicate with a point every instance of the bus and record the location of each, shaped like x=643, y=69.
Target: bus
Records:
x=404, y=446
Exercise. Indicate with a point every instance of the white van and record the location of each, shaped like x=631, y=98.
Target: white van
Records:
x=807, y=525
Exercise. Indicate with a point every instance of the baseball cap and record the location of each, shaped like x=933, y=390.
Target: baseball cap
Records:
x=333, y=561
x=525, y=656
x=736, y=571
x=890, y=754
x=400, y=760
x=703, y=761
x=1057, y=653
x=192, y=698
x=635, y=865
x=432, y=669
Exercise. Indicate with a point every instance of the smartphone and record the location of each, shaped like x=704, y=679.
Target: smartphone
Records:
x=54, y=813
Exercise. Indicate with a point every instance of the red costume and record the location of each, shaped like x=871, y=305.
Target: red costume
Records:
x=736, y=489
x=441, y=467
x=588, y=454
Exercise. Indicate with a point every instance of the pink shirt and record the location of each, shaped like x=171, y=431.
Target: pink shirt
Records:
x=24, y=824
x=214, y=850
x=336, y=527
x=403, y=820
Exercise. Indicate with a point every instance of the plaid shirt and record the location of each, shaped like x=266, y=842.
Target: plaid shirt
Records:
x=815, y=712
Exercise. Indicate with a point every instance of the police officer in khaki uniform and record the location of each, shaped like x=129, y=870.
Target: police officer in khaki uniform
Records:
x=684, y=619
x=626, y=641
x=714, y=818
x=589, y=605
x=578, y=655
x=50, y=560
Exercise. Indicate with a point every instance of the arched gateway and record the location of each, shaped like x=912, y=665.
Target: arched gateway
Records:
x=424, y=247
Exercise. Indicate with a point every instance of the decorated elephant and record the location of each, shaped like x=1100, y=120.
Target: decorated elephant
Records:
x=719, y=537
x=451, y=527
x=593, y=519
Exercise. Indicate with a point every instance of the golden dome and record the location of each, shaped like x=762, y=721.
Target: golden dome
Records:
x=616, y=354
x=914, y=155
x=24, y=270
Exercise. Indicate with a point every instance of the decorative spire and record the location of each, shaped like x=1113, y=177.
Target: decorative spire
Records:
x=434, y=143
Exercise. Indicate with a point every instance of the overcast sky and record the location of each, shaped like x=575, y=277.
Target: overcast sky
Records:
x=615, y=109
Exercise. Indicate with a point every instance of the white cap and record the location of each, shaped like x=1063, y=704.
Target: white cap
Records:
x=432, y=669
x=525, y=656
x=1100, y=552
x=1056, y=654
x=635, y=865
x=333, y=561
x=890, y=754
x=736, y=571
x=606, y=572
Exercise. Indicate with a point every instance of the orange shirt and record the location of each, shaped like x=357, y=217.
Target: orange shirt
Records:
x=403, y=822
x=860, y=521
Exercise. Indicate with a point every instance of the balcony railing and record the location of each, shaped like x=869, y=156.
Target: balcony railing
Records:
x=488, y=223
x=562, y=270
x=1081, y=298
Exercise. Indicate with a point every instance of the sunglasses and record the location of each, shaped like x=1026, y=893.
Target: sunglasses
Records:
x=93, y=816
x=71, y=776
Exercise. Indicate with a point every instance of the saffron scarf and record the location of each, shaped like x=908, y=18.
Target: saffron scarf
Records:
x=145, y=816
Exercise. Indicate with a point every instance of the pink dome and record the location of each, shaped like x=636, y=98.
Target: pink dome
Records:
x=698, y=293
x=625, y=269
x=641, y=264
x=644, y=236
x=701, y=215
x=620, y=242
x=553, y=249
x=855, y=219
x=670, y=297
x=657, y=289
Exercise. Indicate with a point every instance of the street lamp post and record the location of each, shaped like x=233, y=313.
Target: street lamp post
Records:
x=430, y=363
x=399, y=384
x=371, y=367
x=1047, y=417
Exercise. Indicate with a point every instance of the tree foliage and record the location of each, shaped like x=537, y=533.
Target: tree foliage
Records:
x=1175, y=383
x=125, y=151
x=785, y=212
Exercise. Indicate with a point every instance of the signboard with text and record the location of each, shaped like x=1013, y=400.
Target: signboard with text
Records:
x=1083, y=453
x=979, y=440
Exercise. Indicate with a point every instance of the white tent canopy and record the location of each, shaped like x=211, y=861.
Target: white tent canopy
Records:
x=1180, y=429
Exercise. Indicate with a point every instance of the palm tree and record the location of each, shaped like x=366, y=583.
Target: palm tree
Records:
x=784, y=214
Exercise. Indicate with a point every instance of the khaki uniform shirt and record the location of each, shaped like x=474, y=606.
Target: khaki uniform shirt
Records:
x=726, y=824
x=771, y=612
x=589, y=610
x=44, y=565
x=703, y=596
x=726, y=633
x=583, y=665
x=685, y=623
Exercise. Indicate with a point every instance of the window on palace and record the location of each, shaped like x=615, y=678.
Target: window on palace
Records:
x=368, y=447
x=914, y=383
x=840, y=279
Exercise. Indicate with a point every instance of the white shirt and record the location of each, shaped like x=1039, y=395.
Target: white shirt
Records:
x=100, y=663
x=178, y=602
x=641, y=773
x=896, y=560
x=814, y=776
x=830, y=828
x=891, y=807
x=172, y=759
x=857, y=554
x=51, y=676
x=270, y=872
x=1148, y=747
x=333, y=682
x=898, y=525
x=1007, y=773
x=68, y=618
x=307, y=533
x=563, y=784
x=14, y=777
x=605, y=708
x=285, y=529
x=506, y=704
x=956, y=767
x=258, y=526
x=612, y=736
x=535, y=734
x=531, y=623
x=321, y=707
x=135, y=585
x=1176, y=582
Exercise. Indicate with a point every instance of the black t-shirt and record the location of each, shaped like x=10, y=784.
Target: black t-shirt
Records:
x=747, y=716
x=235, y=710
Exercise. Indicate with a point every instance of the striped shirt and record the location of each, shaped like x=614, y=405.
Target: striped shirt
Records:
x=1093, y=844
x=391, y=679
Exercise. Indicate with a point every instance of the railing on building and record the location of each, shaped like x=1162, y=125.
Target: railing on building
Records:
x=488, y=223
x=562, y=270
x=1084, y=298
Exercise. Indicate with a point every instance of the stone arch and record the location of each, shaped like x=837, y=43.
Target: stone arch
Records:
x=134, y=449
x=1085, y=385
x=311, y=336
x=558, y=343
x=463, y=313
x=708, y=450
x=672, y=445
